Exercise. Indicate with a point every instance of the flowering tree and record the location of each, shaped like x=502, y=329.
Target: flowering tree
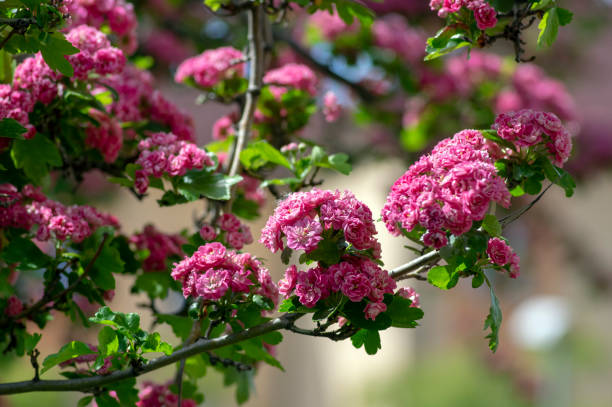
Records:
x=77, y=96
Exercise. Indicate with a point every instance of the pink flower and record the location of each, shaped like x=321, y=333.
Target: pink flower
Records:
x=297, y=76
x=486, y=16
x=286, y=285
x=331, y=25
x=311, y=286
x=14, y=306
x=393, y=33
x=208, y=233
x=213, y=284
x=331, y=108
x=355, y=286
x=161, y=246
x=228, y=222
x=304, y=234
x=373, y=309
x=499, y=252
x=410, y=294
x=212, y=67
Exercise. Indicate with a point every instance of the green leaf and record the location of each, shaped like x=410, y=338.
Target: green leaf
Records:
x=155, y=284
x=129, y=324
x=491, y=225
x=327, y=252
x=338, y=162
x=67, y=352
x=402, y=314
x=440, y=277
x=195, y=367
x=31, y=341
x=107, y=263
x=25, y=253
x=444, y=43
x=542, y=4
x=216, y=186
x=108, y=342
x=126, y=391
x=502, y=6
x=260, y=153
x=549, y=27
x=10, y=128
x=106, y=400
x=35, y=156
x=54, y=50
x=369, y=339
x=181, y=326
x=565, y=16
x=85, y=401
x=493, y=320
x=253, y=348
x=354, y=312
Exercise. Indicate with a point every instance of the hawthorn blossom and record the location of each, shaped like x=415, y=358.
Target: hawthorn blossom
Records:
x=446, y=190
x=211, y=67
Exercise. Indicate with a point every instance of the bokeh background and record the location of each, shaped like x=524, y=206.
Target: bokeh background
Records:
x=556, y=340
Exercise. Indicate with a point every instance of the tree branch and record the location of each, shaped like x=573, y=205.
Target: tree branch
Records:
x=255, y=57
x=361, y=91
x=200, y=346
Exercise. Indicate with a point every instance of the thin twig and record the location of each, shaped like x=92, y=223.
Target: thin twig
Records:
x=506, y=220
x=45, y=300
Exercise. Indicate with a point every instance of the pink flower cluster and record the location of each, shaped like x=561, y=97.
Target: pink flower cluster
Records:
x=224, y=126
x=230, y=231
x=212, y=67
x=138, y=101
x=393, y=33
x=118, y=14
x=163, y=153
x=528, y=128
x=410, y=294
x=331, y=109
x=331, y=26
x=33, y=82
x=356, y=278
x=466, y=73
x=107, y=136
x=30, y=208
x=446, y=190
x=97, y=55
x=213, y=270
x=14, y=306
x=160, y=245
x=484, y=13
x=292, y=75
x=159, y=395
x=532, y=89
x=303, y=216
x=502, y=255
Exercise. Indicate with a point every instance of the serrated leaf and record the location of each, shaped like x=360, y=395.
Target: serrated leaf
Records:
x=549, y=27
x=216, y=186
x=491, y=225
x=10, y=128
x=67, y=352
x=493, y=320
x=25, y=253
x=439, y=276
x=54, y=51
x=369, y=339
x=402, y=314
x=260, y=153
x=35, y=156
x=108, y=342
